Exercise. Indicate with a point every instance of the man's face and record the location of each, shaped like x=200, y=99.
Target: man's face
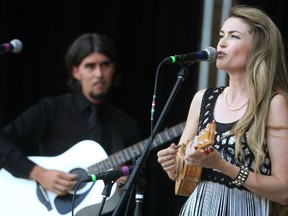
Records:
x=95, y=73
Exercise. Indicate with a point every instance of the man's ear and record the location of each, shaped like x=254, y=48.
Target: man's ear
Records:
x=75, y=73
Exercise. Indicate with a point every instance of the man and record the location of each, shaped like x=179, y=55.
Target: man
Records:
x=54, y=125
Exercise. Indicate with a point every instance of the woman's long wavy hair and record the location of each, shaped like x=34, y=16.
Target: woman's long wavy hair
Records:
x=266, y=73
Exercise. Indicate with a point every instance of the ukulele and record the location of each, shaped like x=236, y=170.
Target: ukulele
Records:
x=188, y=176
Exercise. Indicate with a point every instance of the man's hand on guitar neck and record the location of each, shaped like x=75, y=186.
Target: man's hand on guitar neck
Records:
x=121, y=182
x=55, y=181
x=167, y=159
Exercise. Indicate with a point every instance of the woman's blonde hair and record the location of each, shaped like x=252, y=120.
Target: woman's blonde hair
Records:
x=266, y=73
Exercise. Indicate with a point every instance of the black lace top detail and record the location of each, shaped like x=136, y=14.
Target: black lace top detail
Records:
x=225, y=142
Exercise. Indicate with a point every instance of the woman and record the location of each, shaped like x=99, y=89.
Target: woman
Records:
x=246, y=168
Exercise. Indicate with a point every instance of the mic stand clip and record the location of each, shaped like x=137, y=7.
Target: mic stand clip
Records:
x=106, y=193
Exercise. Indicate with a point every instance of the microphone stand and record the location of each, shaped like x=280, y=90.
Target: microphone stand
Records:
x=142, y=159
x=139, y=197
x=106, y=193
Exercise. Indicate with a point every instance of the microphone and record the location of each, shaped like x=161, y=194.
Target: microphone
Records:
x=209, y=54
x=14, y=46
x=110, y=174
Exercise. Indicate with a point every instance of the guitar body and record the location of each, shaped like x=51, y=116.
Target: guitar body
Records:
x=188, y=176
x=19, y=196
x=26, y=197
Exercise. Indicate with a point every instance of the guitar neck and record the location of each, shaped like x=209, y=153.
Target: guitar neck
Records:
x=131, y=152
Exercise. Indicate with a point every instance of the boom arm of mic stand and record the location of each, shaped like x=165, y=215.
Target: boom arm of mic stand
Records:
x=142, y=159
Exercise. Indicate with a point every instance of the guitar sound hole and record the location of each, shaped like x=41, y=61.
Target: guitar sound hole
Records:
x=81, y=173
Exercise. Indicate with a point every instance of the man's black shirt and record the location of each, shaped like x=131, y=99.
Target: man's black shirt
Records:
x=55, y=124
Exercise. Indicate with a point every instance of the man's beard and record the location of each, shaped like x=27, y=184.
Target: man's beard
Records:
x=100, y=96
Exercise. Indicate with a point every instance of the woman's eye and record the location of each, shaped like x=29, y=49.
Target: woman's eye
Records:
x=235, y=36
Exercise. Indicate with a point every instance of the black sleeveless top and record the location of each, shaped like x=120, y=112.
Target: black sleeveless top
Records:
x=225, y=142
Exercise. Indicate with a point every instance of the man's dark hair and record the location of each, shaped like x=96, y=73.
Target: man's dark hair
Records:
x=82, y=47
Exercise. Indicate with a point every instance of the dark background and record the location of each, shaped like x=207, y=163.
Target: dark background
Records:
x=144, y=33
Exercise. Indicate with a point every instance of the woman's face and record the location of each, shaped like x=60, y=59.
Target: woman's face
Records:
x=233, y=46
